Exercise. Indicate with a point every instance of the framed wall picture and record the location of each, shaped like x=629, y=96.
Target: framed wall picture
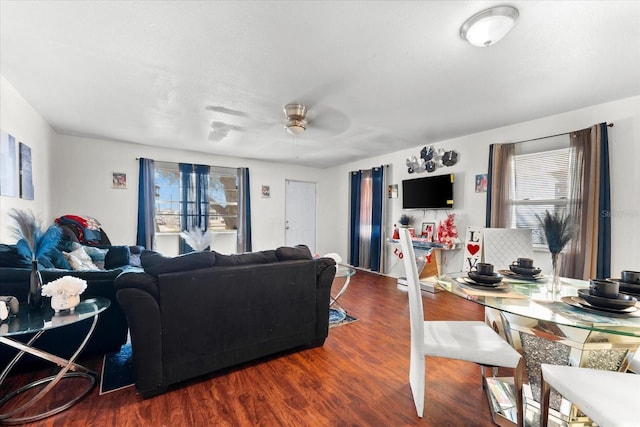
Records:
x=427, y=231
x=266, y=191
x=26, y=172
x=481, y=183
x=393, y=191
x=119, y=180
x=8, y=165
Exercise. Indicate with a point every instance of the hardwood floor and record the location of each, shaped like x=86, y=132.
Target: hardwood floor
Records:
x=358, y=378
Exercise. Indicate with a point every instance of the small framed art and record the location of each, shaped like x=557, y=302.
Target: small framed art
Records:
x=119, y=180
x=427, y=231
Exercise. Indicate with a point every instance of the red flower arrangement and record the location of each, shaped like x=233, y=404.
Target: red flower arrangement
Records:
x=447, y=231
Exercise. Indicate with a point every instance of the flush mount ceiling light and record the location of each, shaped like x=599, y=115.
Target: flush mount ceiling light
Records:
x=489, y=26
x=296, y=122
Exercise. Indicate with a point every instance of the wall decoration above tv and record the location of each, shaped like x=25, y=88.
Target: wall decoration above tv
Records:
x=430, y=192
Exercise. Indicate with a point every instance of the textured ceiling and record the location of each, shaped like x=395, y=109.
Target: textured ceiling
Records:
x=376, y=77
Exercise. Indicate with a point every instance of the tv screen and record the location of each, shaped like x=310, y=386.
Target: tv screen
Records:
x=430, y=192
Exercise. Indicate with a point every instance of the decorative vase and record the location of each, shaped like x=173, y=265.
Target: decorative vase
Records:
x=61, y=302
x=553, y=284
x=35, y=287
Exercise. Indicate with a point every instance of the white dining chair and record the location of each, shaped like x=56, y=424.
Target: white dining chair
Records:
x=472, y=341
x=609, y=398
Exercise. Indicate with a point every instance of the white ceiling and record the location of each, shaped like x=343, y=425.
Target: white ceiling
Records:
x=376, y=77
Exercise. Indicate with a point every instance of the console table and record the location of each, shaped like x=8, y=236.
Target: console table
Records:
x=38, y=322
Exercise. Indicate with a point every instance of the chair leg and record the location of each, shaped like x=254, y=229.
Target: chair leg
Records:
x=545, y=392
x=517, y=379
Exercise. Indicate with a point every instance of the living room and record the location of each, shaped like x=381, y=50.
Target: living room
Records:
x=72, y=174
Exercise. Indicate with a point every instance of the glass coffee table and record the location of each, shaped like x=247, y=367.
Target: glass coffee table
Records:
x=343, y=273
x=39, y=321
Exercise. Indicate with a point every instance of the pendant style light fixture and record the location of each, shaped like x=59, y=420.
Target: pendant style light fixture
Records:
x=489, y=26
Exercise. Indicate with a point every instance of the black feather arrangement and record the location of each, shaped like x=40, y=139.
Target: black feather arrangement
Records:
x=558, y=230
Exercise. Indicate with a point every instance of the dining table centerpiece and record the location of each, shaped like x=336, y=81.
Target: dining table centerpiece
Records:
x=558, y=229
x=64, y=292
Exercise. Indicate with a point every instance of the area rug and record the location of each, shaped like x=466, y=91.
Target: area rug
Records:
x=339, y=318
x=117, y=370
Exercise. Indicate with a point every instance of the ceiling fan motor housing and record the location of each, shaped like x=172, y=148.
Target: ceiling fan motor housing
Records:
x=296, y=122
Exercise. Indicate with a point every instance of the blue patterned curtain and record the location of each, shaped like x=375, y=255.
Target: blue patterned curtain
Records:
x=378, y=191
x=354, y=219
x=146, y=204
x=244, y=211
x=194, y=206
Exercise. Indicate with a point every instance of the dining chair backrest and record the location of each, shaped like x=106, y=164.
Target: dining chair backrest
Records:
x=502, y=246
x=416, y=310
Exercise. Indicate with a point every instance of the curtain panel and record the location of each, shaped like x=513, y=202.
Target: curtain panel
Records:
x=244, y=212
x=499, y=191
x=194, y=212
x=146, y=231
x=589, y=254
x=367, y=218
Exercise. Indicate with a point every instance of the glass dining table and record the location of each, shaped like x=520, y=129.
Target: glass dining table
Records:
x=556, y=328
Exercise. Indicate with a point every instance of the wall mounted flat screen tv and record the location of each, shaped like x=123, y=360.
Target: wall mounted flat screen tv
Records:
x=430, y=192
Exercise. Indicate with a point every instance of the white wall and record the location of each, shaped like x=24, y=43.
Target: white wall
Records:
x=73, y=175
x=19, y=119
x=84, y=168
x=473, y=152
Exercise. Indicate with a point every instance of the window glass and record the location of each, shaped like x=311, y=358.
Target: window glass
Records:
x=540, y=182
x=222, y=195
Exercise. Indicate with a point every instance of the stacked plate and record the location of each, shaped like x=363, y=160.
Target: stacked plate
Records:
x=493, y=280
x=523, y=273
x=622, y=304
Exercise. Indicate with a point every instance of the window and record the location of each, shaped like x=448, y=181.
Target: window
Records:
x=540, y=181
x=222, y=198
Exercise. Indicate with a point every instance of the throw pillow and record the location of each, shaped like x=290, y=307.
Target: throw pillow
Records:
x=97, y=255
x=58, y=260
x=286, y=253
x=155, y=263
x=80, y=260
x=117, y=256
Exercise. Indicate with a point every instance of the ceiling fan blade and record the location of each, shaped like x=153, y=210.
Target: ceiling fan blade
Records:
x=225, y=110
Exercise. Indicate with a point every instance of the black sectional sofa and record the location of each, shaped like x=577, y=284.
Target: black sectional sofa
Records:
x=201, y=312
x=111, y=330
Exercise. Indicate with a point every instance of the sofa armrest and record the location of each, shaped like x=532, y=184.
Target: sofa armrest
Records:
x=145, y=328
x=137, y=280
x=325, y=272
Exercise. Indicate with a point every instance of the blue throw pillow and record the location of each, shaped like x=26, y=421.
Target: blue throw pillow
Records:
x=58, y=260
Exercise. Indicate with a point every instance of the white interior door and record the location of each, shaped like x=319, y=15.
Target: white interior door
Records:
x=300, y=214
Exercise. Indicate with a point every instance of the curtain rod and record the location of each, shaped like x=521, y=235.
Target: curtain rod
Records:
x=552, y=136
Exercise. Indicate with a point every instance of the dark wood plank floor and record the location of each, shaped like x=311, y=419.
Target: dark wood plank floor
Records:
x=358, y=378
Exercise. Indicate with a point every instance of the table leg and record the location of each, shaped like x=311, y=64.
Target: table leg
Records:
x=66, y=366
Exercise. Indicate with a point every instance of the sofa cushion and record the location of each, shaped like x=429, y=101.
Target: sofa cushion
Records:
x=249, y=258
x=155, y=263
x=10, y=257
x=286, y=253
x=97, y=255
